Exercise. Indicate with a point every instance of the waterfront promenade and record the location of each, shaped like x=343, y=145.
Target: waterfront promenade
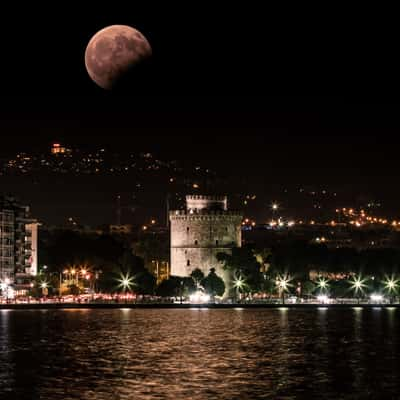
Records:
x=94, y=305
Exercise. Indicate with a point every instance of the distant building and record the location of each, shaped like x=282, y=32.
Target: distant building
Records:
x=205, y=228
x=125, y=229
x=57, y=148
x=160, y=269
x=18, y=244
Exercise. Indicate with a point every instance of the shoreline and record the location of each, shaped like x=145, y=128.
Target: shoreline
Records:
x=80, y=306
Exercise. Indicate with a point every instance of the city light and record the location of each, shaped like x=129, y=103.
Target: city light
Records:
x=391, y=284
x=199, y=297
x=283, y=282
x=126, y=282
x=44, y=285
x=377, y=298
x=239, y=282
x=324, y=299
x=357, y=284
x=322, y=284
x=274, y=206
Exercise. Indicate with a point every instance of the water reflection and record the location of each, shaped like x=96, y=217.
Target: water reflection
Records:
x=199, y=354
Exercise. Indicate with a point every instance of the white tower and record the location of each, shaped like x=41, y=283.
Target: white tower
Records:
x=200, y=232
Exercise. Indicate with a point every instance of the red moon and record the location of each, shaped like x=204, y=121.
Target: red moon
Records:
x=113, y=52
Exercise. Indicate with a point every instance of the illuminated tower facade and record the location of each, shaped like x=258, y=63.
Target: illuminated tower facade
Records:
x=205, y=228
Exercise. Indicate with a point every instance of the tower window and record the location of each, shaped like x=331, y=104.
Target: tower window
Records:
x=188, y=263
x=195, y=242
x=216, y=242
x=187, y=230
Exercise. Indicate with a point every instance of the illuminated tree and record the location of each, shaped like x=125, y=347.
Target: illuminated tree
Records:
x=197, y=275
x=213, y=284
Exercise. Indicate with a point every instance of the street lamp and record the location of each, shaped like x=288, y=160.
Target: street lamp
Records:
x=358, y=285
x=238, y=283
x=283, y=283
x=44, y=286
x=322, y=284
x=391, y=285
x=274, y=208
x=126, y=282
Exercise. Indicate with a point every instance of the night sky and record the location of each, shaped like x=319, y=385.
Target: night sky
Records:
x=271, y=95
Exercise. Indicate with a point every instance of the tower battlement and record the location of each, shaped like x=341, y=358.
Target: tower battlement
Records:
x=204, y=214
x=205, y=197
x=200, y=202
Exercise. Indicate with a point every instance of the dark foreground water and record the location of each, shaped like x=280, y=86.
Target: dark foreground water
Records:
x=200, y=354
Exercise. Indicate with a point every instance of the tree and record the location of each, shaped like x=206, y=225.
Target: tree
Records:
x=242, y=262
x=197, y=276
x=213, y=284
x=169, y=287
x=307, y=288
x=144, y=282
x=176, y=286
x=339, y=288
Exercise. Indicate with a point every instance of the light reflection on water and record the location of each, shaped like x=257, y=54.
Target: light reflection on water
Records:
x=199, y=354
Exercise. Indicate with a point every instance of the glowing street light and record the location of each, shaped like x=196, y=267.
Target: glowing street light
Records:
x=239, y=283
x=275, y=206
x=322, y=284
x=391, y=285
x=126, y=282
x=283, y=283
x=44, y=286
x=358, y=285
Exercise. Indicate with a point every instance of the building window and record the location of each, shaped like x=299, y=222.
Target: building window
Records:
x=195, y=242
x=187, y=230
x=188, y=263
x=216, y=242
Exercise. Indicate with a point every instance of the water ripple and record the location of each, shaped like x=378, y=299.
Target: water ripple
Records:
x=193, y=354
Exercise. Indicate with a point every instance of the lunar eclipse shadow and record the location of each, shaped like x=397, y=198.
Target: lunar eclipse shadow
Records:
x=137, y=80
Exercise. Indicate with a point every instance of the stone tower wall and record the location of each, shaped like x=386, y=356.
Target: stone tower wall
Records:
x=196, y=239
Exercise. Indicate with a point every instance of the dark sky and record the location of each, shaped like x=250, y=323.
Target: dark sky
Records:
x=252, y=89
